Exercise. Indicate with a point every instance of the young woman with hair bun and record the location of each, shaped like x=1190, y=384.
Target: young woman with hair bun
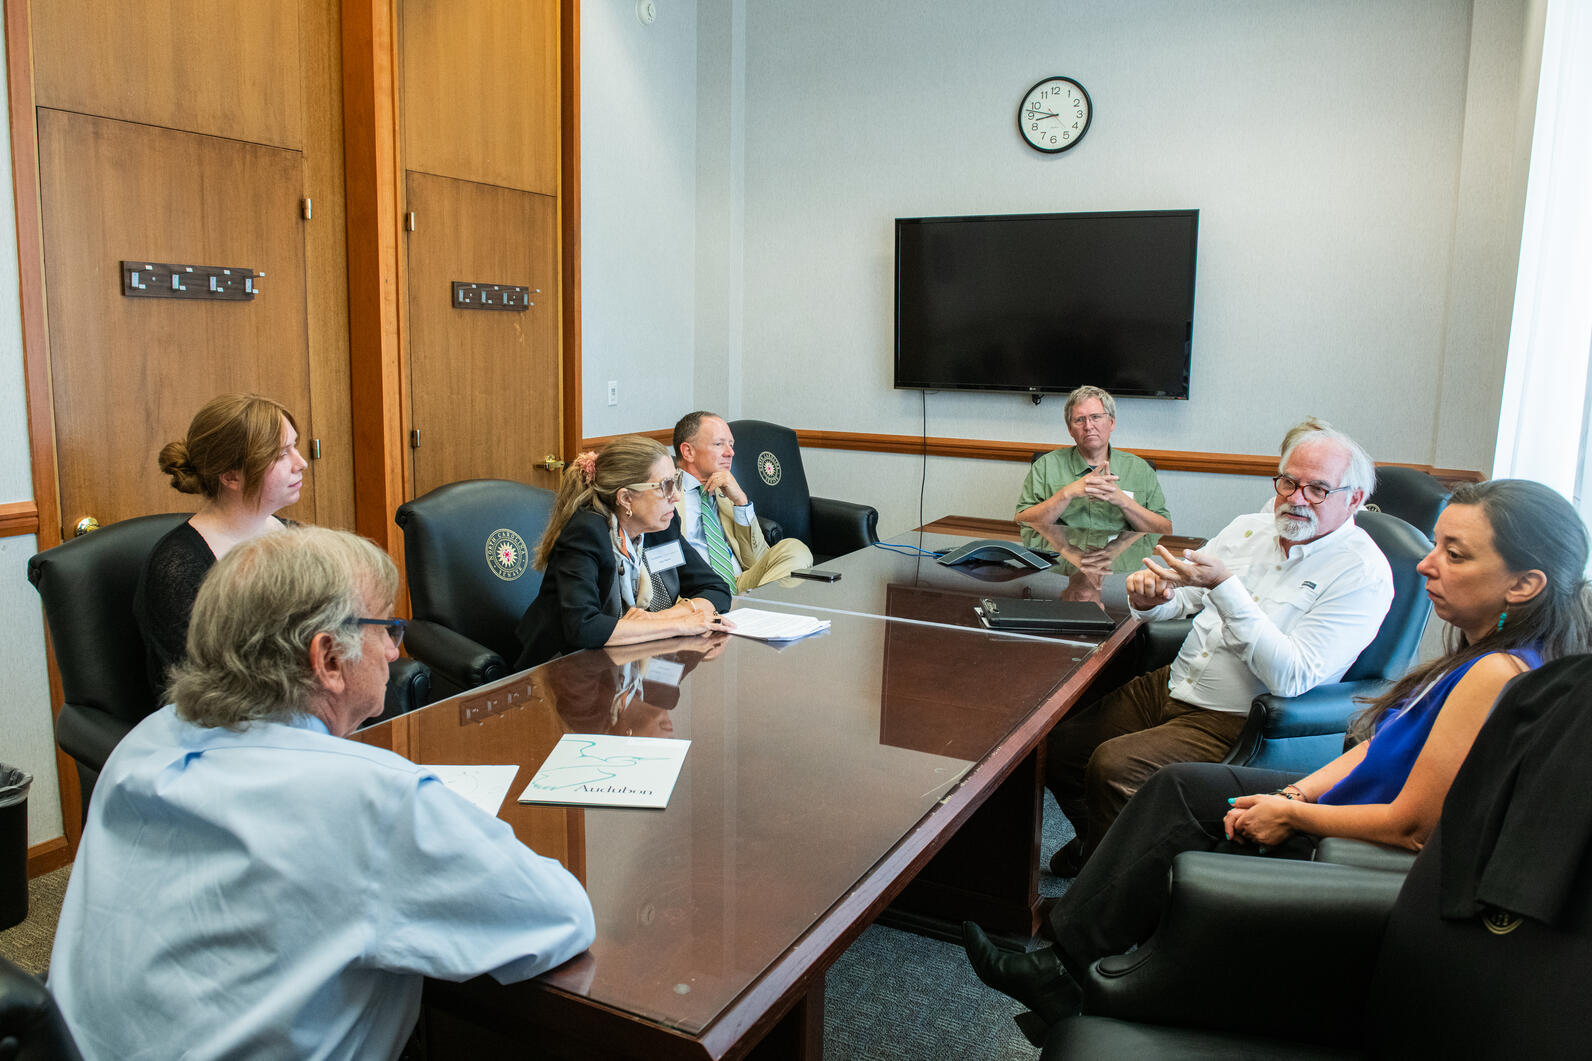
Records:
x=241, y=455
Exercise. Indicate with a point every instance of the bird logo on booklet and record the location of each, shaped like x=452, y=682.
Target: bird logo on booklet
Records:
x=506, y=554
x=768, y=468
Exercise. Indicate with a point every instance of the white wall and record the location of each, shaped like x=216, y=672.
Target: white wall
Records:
x=27, y=738
x=638, y=216
x=1359, y=168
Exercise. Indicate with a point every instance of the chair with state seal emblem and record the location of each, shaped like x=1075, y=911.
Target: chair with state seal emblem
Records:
x=768, y=465
x=467, y=552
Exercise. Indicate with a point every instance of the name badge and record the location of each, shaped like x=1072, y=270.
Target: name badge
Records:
x=666, y=557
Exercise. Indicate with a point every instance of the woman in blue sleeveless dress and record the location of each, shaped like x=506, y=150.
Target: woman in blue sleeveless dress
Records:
x=1507, y=575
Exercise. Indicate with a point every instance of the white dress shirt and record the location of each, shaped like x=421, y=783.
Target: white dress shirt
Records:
x=278, y=892
x=691, y=518
x=1278, y=624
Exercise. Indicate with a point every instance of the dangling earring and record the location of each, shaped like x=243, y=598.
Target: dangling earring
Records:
x=1501, y=617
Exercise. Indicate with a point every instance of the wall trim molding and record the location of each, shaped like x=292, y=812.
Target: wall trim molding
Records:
x=1166, y=460
x=51, y=854
x=18, y=517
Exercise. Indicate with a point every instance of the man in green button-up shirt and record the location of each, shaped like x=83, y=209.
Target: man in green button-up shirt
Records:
x=1090, y=485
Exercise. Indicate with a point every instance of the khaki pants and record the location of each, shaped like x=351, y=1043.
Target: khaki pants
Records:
x=781, y=558
x=1097, y=758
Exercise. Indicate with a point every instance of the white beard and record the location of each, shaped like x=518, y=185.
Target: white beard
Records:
x=1295, y=523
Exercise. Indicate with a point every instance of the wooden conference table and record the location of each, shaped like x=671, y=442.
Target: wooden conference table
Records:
x=824, y=777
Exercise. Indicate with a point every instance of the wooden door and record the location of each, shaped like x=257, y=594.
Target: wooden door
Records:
x=129, y=373
x=484, y=384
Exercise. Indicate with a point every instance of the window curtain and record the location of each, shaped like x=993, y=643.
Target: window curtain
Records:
x=1543, y=426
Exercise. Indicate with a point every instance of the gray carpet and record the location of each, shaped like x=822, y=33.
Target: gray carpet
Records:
x=29, y=943
x=902, y=997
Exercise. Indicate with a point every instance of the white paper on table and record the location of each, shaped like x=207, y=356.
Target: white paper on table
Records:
x=774, y=626
x=485, y=786
x=608, y=770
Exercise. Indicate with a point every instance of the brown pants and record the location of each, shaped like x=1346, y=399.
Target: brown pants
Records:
x=1097, y=758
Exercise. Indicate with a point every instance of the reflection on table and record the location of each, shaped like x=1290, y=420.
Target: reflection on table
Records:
x=809, y=764
x=1086, y=557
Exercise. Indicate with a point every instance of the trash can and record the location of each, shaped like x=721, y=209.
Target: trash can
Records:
x=13, y=845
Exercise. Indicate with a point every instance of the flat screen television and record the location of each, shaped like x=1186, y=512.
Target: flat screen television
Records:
x=1044, y=303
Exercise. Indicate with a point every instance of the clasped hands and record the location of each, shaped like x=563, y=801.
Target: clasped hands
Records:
x=1098, y=485
x=1259, y=819
x=1154, y=585
x=695, y=618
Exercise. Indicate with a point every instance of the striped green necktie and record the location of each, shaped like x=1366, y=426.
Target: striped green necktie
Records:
x=718, y=544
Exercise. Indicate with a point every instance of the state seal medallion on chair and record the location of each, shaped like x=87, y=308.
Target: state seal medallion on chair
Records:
x=506, y=554
x=768, y=468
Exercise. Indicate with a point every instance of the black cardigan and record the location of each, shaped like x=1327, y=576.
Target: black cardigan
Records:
x=579, y=602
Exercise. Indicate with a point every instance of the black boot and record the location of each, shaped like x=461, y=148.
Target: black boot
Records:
x=1036, y=978
x=1068, y=859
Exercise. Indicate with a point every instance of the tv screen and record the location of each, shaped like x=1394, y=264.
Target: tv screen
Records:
x=1044, y=303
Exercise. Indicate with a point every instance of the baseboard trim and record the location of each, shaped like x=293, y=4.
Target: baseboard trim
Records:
x=52, y=854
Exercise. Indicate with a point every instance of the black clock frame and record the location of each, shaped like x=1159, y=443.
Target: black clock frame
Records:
x=1081, y=132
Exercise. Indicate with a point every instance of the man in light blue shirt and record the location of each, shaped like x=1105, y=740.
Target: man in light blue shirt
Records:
x=716, y=516
x=251, y=884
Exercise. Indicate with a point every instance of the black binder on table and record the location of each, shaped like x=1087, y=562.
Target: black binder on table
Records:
x=1030, y=616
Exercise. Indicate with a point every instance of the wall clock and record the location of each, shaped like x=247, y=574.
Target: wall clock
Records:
x=1054, y=115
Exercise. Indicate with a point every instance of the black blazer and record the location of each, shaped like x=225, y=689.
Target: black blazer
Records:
x=579, y=602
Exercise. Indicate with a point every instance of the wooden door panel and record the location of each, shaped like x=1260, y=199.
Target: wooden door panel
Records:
x=484, y=384
x=228, y=69
x=480, y=91
x=129, y=373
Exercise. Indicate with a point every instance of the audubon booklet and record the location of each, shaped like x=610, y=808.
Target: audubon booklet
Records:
x=603, y=770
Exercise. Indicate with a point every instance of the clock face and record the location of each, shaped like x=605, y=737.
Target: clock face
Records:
x=1054, y=115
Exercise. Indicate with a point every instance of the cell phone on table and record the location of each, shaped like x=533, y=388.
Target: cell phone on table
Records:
x=817, y=574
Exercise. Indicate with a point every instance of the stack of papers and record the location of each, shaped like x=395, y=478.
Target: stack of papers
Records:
x=774, y=626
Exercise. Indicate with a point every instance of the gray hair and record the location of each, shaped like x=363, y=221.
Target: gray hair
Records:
x=1303, y=427
x=257, y=612
x=1083, y=394
x=1361, y=473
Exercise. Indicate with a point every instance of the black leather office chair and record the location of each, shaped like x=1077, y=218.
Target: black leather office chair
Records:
x=31, y=1028
x=768, y=465
x=1262, y=958
x=1302, y=733
x=468, y=546
x=87, y=587
x=1413, y=496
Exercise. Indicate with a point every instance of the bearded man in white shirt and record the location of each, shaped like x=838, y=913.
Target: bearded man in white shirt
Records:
x=1282, y=601
x=250, y=883
x=716, y=516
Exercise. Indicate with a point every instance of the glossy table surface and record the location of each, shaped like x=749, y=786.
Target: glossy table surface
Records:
x=821, y=772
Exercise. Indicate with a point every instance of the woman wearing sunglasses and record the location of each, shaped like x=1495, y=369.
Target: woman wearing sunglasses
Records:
x=617, y=571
